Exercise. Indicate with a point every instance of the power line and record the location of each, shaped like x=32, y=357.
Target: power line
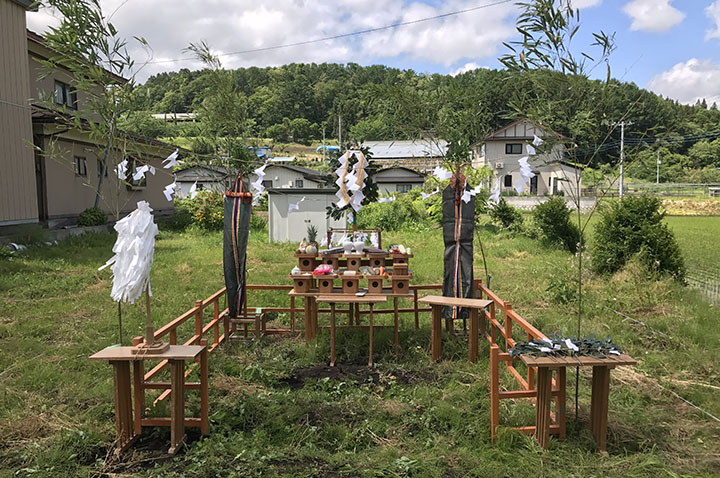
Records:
x=350, y=34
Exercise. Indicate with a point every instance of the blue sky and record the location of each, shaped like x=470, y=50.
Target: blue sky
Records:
x=669, y=46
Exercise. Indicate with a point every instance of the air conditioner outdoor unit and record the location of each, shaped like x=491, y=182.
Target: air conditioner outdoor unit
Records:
x=499, y=165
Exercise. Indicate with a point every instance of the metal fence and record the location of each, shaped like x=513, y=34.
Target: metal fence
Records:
x=707, y=281
x=661, y=189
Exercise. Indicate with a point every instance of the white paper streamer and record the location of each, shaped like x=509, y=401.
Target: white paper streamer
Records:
x=571, y=345
x=193, y=190
x=324, y=241
x=140, y=172
x=495, y=196
x=133, y=257
x=374, y=239
x=170, y=190
x=441, y=173
x=427, y=195
x=537, y=141
x=387, y=199
x=295, y=206
x=171, y=160
x=257, y=186
x=530, y=150
x=121, y=169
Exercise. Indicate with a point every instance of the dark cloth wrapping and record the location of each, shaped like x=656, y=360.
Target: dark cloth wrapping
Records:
x=235, y=239
x=458, y=227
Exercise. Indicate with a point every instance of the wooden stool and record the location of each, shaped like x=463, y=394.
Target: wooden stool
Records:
x=258, y=319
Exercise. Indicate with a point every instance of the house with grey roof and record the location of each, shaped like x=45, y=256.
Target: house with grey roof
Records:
x=421, y=154
x=398, y=179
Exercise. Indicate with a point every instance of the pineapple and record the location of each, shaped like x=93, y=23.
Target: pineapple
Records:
x=312, y=240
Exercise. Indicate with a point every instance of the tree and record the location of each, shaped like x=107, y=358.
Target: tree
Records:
x=87, y=45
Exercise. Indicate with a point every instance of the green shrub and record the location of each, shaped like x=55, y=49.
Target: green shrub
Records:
x=92, y=216
x=206, y=210
x=403, y=213
x=634, y=226
x=506, y=216
x=257, y=223
x=553, y=220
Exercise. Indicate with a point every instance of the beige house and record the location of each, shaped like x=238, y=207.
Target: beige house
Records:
x=50, y=170
x=502, y=150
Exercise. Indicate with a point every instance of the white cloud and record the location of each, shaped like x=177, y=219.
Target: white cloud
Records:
x=465, y=68
x=687, y=82
x=653, y=15
x=585, y=3
x=713, y=12
x=238, y=25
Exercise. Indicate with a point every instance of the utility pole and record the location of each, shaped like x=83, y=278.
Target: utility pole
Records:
x=657, y=180
x=324, y=147
x=340, y=132
x=622, y=156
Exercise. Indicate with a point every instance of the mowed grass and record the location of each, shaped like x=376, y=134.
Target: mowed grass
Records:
x=277, y=411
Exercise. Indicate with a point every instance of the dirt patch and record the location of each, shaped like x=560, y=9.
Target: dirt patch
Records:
x=691, y=207
x=353, y=373
x=234, y=386
x=183, y=269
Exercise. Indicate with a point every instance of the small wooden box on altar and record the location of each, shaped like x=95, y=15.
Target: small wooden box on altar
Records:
x=353, y=261
x=400, y=258
x=400, y=284
x=350, y=284
x=303, y=283
x=375, y=284
x=325, y=283
x=332, y=260
x=306, y=262
x=376, y=260
x=400, y=269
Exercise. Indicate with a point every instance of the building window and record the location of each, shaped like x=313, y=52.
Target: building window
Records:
x=100, y=168
x=403, y=188
x=508, y=180
x=298, y=183
x=65, y=95
x=267, y=183
x=513, y=148
x=80, y=166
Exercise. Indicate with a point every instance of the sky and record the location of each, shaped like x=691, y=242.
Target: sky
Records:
x=671, y=47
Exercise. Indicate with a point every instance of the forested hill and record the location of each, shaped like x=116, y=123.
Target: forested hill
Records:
x=297, y=100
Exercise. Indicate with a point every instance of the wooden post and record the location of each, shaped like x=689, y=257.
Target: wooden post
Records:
x=493, y=330
x=561, y=400
x=599, y=404
x=149, y=329
x=494, y=391
x=332, y=334
x=292, y=313
x=370, y=359
x=198, y=321
x=542, y=411
x=177, y=405
x=204, y=393
x=123, y=405
x=417, y=313
x=473, y=339
x=396, y=320
x=508, y=324
x=216, y=317
x=138, y=393
x=436, y=333
x=308, y=320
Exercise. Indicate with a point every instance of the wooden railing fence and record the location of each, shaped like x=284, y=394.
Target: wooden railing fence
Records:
x=501, y=323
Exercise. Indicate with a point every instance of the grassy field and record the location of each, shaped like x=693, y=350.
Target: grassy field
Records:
x=277, y=411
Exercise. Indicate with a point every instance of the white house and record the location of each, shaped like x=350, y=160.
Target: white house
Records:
x=420, y=154
x=207, y=178
x=288, y=176
x=398, y=179
x=502, y=150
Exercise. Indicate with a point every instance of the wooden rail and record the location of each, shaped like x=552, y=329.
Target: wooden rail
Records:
x=501, y=326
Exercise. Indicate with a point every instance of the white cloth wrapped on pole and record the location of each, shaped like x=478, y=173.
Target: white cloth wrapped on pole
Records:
x=134, y=250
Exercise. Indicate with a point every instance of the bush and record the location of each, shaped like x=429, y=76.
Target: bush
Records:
x=403, y=213
x=634, y=227
x=92, y=216
x=506, y=216
x=553, y=220
x=206, y=210
x=257, y=223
